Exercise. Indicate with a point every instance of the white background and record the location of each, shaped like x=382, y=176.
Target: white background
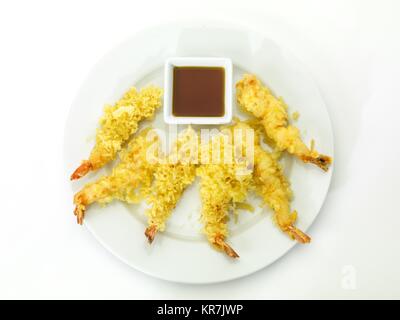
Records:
x=351, y=48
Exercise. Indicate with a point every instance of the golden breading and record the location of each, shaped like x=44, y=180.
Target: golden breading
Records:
x=222, y=185
x=272, y=113
x=270, y=183
x=117, y=125
x=273, y=187
x=171, y=178
x=133, y=172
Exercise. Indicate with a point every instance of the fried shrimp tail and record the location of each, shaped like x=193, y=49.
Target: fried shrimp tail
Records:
x=257, y=99
x=118, y=123
x=79, y=212
x=298, y=235
x=90, y=193
x=82, y=170
x=130, y=178
x=150, y=233
x=321, y=161
x=220, y=243
x=171, y=178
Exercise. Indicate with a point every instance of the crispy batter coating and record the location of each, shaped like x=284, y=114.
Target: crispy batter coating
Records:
x=117, y=125
x=273, y=187
x=270, y=183
x=222, y=185
x=171, y=178
x=129, y=180
x=272, y=113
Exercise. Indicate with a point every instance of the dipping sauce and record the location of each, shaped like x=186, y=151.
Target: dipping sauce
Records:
x=198, y=92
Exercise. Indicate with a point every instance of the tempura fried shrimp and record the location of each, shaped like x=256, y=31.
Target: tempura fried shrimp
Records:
x=222, y=184
x=275, y=191
x=272, y=113
x=134, y=172
x=171, y=178
x=117, y=125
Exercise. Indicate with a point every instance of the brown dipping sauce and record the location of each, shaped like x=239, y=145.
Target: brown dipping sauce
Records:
x=198, y=92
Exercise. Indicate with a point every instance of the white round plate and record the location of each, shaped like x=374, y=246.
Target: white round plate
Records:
x=182, y=254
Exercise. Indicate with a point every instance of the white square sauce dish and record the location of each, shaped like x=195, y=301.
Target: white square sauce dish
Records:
x=198, y=90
